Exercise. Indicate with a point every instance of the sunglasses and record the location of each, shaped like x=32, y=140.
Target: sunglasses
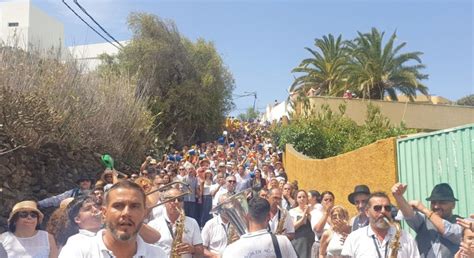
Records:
x=25, y=214
x=231, y=181
x=378, y=208
x=178, y=199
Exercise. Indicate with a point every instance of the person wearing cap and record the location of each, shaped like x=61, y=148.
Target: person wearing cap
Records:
x=23, y=238
x=359, y=198
x=84, y=186
x=437, y=233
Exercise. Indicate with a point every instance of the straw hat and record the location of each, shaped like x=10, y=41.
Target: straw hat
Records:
x=26, y=206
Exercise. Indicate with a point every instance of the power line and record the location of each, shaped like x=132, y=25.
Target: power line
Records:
x=98, y=33
x=106, y=32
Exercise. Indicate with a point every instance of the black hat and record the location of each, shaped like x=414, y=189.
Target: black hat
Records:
x=83, y=178
x=442, y=192
x=359, y=189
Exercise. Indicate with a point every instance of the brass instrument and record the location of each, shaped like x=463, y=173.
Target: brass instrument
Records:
x=232, y=234
x=280, y=230
x=178, y=236
x=395, y=242
x=235, y=208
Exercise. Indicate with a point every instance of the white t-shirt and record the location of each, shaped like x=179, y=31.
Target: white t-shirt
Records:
x=191, y=235
x=214, y=235
x=316, y=216
x=83, y=234
x=360, y=243
x=36, y=246
x=220, y=192
x=259, y=244
x=94, y=247
x=288, y=225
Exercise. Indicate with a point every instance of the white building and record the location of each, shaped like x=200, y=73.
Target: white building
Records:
x=25, y=26
x=88, y=55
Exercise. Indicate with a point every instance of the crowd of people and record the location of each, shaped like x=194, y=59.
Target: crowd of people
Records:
x=171, y=208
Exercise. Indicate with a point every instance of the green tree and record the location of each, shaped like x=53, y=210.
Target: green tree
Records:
x=466, y=101
x=377, y=69
x=325, y=70
x=187, y=85
x=250, y=114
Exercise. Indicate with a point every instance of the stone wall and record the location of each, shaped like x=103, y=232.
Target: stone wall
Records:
x=374, y=165
x=35, y=174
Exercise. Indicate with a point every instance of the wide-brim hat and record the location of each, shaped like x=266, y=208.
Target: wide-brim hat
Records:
x=442, y=192
x=26, y=206
x=359, y=189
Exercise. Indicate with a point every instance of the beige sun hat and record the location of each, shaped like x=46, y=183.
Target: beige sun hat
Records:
x=26, y=206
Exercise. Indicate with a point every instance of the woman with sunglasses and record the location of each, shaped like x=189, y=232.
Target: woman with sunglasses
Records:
x=23, y=238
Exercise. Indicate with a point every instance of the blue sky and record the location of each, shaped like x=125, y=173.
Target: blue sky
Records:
x=261, y=41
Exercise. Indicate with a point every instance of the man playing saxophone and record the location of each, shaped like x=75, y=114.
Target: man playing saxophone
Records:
x=379, y=239
x=280, y=223
x=180, y=234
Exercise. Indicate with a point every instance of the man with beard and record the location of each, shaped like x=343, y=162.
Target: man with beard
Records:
x=437, y=233
x=123, y=212
x=375, y=239
x=277, y=215
x=359, y=198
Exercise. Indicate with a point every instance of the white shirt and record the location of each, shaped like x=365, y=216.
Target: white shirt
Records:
x=36, y=246
x=259, y=244
x=360, y=243
x=191, y=235
x=157, y=211
x=82, y=235
x=214, y=235
x=288, y=225
x=220, y=192
x=94, y=247
x=316, y=216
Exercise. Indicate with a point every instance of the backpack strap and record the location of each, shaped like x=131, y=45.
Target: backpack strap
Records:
x=276, y=246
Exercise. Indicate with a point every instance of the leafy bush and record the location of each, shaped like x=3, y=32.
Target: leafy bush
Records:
x=45, y=99
x=331, y=133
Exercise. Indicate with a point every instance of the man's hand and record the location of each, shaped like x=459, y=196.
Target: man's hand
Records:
x=465, y=223
x=184, y=248
x=398, y=189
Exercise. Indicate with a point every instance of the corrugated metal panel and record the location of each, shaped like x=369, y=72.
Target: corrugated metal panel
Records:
x=445, y=156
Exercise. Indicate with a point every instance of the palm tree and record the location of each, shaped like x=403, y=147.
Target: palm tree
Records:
x=376, y=69
x=325, y=71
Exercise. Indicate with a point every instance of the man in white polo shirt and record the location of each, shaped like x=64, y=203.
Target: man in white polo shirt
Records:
x=278, y=215
x=216, y=233
x=259, y=242
x=191, y=243
x=123, y=212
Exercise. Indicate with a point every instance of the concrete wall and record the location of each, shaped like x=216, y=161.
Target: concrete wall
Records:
x=15, y=12
x=414, y=115
x=374, y=165
x=45, y=32
x=88, y=55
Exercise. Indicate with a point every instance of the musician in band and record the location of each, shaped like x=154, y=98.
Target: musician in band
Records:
x=259, y=242
x=380, y=238
x=280, y=222
x=168, y=225
x=217, y=233
x=123, y=212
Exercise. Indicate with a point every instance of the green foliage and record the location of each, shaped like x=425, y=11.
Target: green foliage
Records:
x=250, y=114
x=50, y=100
x=189, y=89
x=466, y=101
x=364, y=65
x=331, y=133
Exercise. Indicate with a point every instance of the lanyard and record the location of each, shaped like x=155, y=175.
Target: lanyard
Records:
x=170, y=228
x=278, y=220
x=377, y=248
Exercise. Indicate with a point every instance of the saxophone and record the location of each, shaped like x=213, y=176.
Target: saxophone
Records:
x=281, y=223
x=395, y=242
x=178, y=237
